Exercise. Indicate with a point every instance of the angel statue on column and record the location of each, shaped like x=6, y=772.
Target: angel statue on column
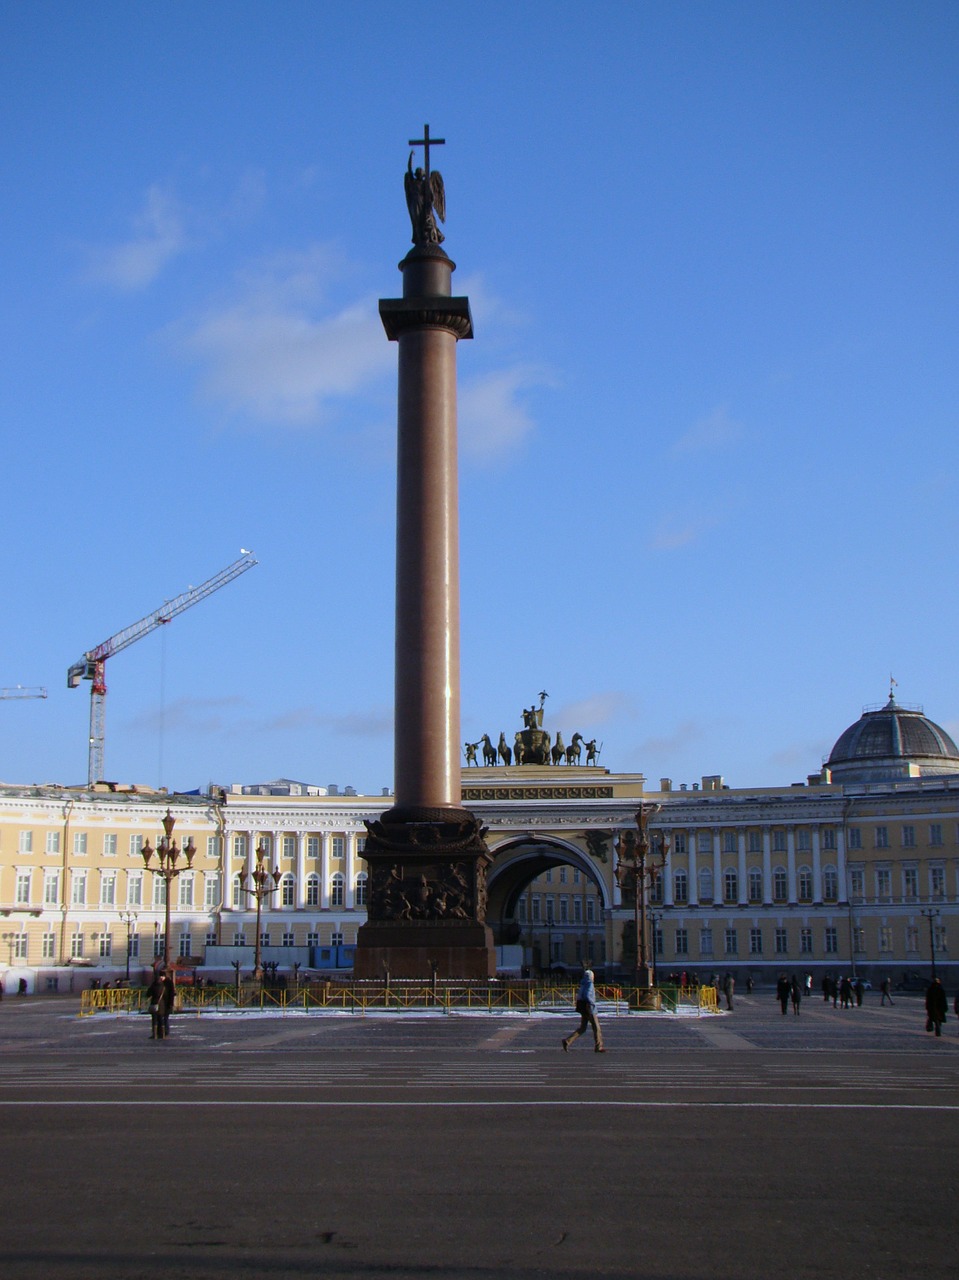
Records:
x=425, y=195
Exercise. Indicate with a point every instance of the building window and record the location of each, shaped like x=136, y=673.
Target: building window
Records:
x=110, y=845
x=658, y=941
x=883, y=884
x=805, y=942
x=534, y=909
x=76, y=946
x=782, y=942
x=829, y=838
x=213, y=847
x=656, y=889
x=857, y=883
x=755, y=842
x=338, y=846
x=909, y=837
x=730, y=942
x=706, y=942
x=577, y=910
x=705, y=884
x=590, y=910
x=939, y=938
x=78, y=889
x=211, y=890
x=679, y=842
x=108, y=888
x=804, y=881
x=19, y=945
x=159, y=945
x=289, y=849
x=885, y=938
x=755, y=942
x=288, y=939
x=935, y=833
x=313, y=849
x=682, y=942
x=288, y=891
x=185, y=898
x=730, y=885
x=882, y=837
x=755, y=885
x=210, y=938
x=239, y=847
x=361, y=885
x=336, y=938
x=680, y=888
x=521, y=911
x=337, y=890
x=859, y=940
x=937, y=881
x=549, y=875
x=53, y=842
x=576, y=876
x=239, y=938
x=25, y=844
x=51, y=888
x=312, y=939
x=313, y=890
x=238, y=891
x=704, y=841
x=803, y=840
x=910, y=882
x=266, y=844
x=855, y=838
x=134, y=946
x=136, y=846
x=780, y=884
x=830, y=884
x=106, y=945
x=564, y=909
x=134, y=888
x=265, y=938
x=912, y=937
x=562, y=875
x=779, y=842
x=729, y=842
x=79, y=843
x=159, y=891
x=48, y=949
x=23, y=888
x=830, y=940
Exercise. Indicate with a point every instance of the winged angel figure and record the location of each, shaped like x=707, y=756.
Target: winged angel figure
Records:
x=424, y=198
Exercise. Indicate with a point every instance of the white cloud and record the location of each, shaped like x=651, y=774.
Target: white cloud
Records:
x=711, y=434
x=268, y=354
x=493, y=419
x=159, y=236
x=596, y=710
x=683, y=736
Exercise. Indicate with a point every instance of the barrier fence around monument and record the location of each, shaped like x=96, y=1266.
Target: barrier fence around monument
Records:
x=363, y=997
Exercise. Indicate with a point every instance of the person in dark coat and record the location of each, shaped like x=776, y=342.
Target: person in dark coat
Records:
x=795, y=992
x=729, y=986
x=936, y=1006
x=160, y=996
x=886, y=989
x=782, y=991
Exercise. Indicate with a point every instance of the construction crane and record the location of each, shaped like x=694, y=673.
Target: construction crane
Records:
x=19, y=691
x=92, y=666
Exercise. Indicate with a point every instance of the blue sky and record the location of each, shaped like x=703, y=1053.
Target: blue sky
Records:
x=709, y=457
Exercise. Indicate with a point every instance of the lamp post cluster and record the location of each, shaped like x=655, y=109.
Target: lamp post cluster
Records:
x=265, y=883
x=636, y=869
x=129, y=918
x=932, y=915
x=168, y=854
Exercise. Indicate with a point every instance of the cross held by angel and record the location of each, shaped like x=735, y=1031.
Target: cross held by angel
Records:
x=425, y=195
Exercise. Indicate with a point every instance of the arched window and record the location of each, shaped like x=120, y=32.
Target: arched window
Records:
x=361, y=882
x=337, y=887
x=830, y=884
x=313, y=890
x=705, y=884
x=288, y=891
x=755, y=885
x=730, y=885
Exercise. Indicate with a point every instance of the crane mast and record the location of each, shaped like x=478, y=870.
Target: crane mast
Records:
x=92, y=666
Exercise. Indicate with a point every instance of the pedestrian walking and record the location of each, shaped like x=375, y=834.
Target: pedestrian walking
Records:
x=886, y=989
x=845, y=994
x=859, y=988
x=782, y=992
x=795, y=993
x=160, y=996
x=586, y=1008
x=729, y=986
x=936, y=1006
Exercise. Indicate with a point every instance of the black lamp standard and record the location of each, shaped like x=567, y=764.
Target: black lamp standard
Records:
x=168, y=854
x=262, y=887
x=931, y=914
x=129, y=918
x=635, y=870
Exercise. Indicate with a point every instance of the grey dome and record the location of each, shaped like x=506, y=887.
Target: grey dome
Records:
x=892, y=742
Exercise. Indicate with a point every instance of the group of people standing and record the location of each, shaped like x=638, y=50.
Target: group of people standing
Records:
x=789, y=990
x=843, y=991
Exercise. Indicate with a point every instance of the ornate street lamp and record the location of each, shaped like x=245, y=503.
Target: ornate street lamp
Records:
x=931, y=914
x=635, y=871
x=262, y=887
x=129, y=918
x=168, y=855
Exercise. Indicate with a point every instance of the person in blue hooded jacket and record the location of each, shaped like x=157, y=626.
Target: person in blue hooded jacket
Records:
x=586, y=1008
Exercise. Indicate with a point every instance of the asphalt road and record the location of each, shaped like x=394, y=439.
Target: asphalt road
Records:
x=746, y=1145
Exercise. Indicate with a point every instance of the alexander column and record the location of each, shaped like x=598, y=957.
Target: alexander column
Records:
x=426, y=856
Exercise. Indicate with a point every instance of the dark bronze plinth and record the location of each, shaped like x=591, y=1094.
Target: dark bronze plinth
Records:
x=427, y=897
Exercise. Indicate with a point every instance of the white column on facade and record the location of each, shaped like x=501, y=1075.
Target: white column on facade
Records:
x=841, y=864
x=226, y=862
x=767, y=868
x=791, y=863
x=325, y=871
x=300, y=869
x=350, y=870
x=275, y=900
x=743, y=886
x=816, y=866
x=668, y=872
x=718, y=895
x=691, y=842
